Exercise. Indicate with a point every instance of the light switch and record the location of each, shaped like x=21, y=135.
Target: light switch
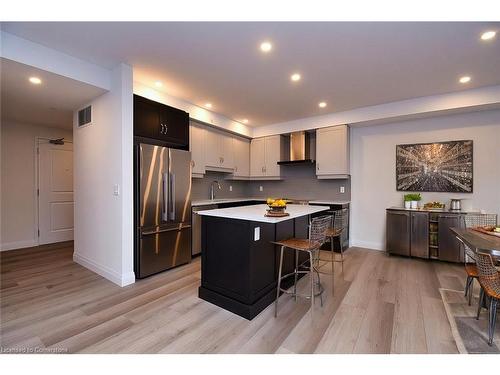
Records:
x=256, y=233
x=342, y=189
x=116, y=190
x=230, y=187
x=261, y=188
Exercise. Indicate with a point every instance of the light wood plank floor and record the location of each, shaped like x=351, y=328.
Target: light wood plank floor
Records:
x=381, y=304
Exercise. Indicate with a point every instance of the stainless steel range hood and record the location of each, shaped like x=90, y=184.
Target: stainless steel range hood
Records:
x=300, y=149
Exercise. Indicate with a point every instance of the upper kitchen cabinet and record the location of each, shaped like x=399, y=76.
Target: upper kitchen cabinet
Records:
x=161, y=124
x=197, y=148
x=265, y=153
x=241, y=149
x=332, y=152
x=219, y=153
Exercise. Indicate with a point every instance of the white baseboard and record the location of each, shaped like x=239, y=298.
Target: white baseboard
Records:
x=18, y=245
x=368, y=244
x=106, y=272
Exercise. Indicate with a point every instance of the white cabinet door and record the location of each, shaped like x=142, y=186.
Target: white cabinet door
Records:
x=272, y=155
x=241, y=157
x=213, y=148
x=332, y=151
x=257, y=157
x=227, y=155
x=197, y=148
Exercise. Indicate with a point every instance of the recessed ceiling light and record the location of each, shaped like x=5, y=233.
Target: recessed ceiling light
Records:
x=158, y=84
x=35, y=80
x=487, y=35
x=245, y=121
x=322, y=104
x=464, y=79
x=208, y=105
x=295, y=77
x=266, y=46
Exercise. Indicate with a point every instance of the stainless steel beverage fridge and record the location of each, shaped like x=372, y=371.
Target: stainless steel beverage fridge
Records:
x=163, y=212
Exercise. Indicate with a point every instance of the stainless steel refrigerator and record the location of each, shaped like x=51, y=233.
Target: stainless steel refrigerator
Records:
x=163, y=216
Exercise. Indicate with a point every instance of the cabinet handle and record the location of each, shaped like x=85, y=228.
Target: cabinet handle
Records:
x=193, y=163
x=222, y=160
x=317, y=166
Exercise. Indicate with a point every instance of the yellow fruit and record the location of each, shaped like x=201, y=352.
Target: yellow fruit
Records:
x=270, y=200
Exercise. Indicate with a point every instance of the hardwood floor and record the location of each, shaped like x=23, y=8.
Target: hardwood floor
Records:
x=381, y=304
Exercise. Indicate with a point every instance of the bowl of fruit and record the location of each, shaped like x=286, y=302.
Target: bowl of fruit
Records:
x=434, y=206
x=276, y=205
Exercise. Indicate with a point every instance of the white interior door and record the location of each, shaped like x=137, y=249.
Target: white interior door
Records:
x=55, y=194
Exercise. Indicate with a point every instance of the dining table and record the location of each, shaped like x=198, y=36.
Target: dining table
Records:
x=478, y=241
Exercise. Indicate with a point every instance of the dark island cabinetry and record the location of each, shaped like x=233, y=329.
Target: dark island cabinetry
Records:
x=423, y=234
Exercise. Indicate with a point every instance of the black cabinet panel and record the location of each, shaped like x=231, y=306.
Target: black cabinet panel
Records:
x=398, y=232
x=146, y=118
x=419, y=237
x=161, y=123
x=449, y=247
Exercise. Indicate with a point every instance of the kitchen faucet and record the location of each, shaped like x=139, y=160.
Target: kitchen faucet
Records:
x=212, y=192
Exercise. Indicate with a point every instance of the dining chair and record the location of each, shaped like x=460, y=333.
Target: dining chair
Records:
x=474, y=220
x=489, y=279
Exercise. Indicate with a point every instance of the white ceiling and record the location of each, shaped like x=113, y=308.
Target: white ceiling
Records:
x=49, y=104
x=349, y=65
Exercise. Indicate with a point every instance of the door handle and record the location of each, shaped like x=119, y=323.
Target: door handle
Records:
x=164, y=182
x=172, y=195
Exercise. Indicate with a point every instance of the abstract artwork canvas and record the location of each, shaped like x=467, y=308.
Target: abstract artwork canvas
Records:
x=436, y=167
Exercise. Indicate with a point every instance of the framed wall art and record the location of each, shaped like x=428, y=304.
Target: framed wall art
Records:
x=435, y=167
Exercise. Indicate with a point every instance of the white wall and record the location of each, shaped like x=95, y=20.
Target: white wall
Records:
x=18, y=183
x=102, y=159
x=373, y=164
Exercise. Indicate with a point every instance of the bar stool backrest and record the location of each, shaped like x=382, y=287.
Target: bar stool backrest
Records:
x=341, y=222
x=475, y=220
x=318, y=227
x=489, y=276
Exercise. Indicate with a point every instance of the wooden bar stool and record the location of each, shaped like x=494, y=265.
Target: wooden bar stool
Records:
x=317, y=236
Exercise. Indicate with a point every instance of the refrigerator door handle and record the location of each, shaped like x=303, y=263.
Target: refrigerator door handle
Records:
x=165, y=189
x=148, y=233
x=172, y=195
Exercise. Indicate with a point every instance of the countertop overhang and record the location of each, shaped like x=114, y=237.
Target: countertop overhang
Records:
x=257, y=212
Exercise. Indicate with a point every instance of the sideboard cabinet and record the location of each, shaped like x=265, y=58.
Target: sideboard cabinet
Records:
x=424, y=234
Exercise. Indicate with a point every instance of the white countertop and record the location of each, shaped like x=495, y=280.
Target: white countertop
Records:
x=204, y=202
x=256, y=212
x=329, y=202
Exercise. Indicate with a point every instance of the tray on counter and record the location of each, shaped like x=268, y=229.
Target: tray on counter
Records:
x=482, y=230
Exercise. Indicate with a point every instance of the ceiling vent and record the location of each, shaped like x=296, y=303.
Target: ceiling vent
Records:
x=85, y=116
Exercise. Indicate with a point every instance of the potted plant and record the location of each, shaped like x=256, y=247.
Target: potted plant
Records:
x=415, y=199
x=407, y=200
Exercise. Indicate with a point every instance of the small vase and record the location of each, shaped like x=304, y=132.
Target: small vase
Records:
x=407, y=204
x=414, y=204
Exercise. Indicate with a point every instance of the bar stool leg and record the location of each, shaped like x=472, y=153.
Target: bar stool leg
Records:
x=492, y=320
x=480, y=304
x=312, y=282
x=471, y=290
x=296, y=274
x=341, y=253
x=279, y=283
x=332, y=251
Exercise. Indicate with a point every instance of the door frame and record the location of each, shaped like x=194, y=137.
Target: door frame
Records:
x=36, y=197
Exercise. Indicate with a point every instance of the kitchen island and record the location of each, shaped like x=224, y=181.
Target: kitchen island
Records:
x=239, y=262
